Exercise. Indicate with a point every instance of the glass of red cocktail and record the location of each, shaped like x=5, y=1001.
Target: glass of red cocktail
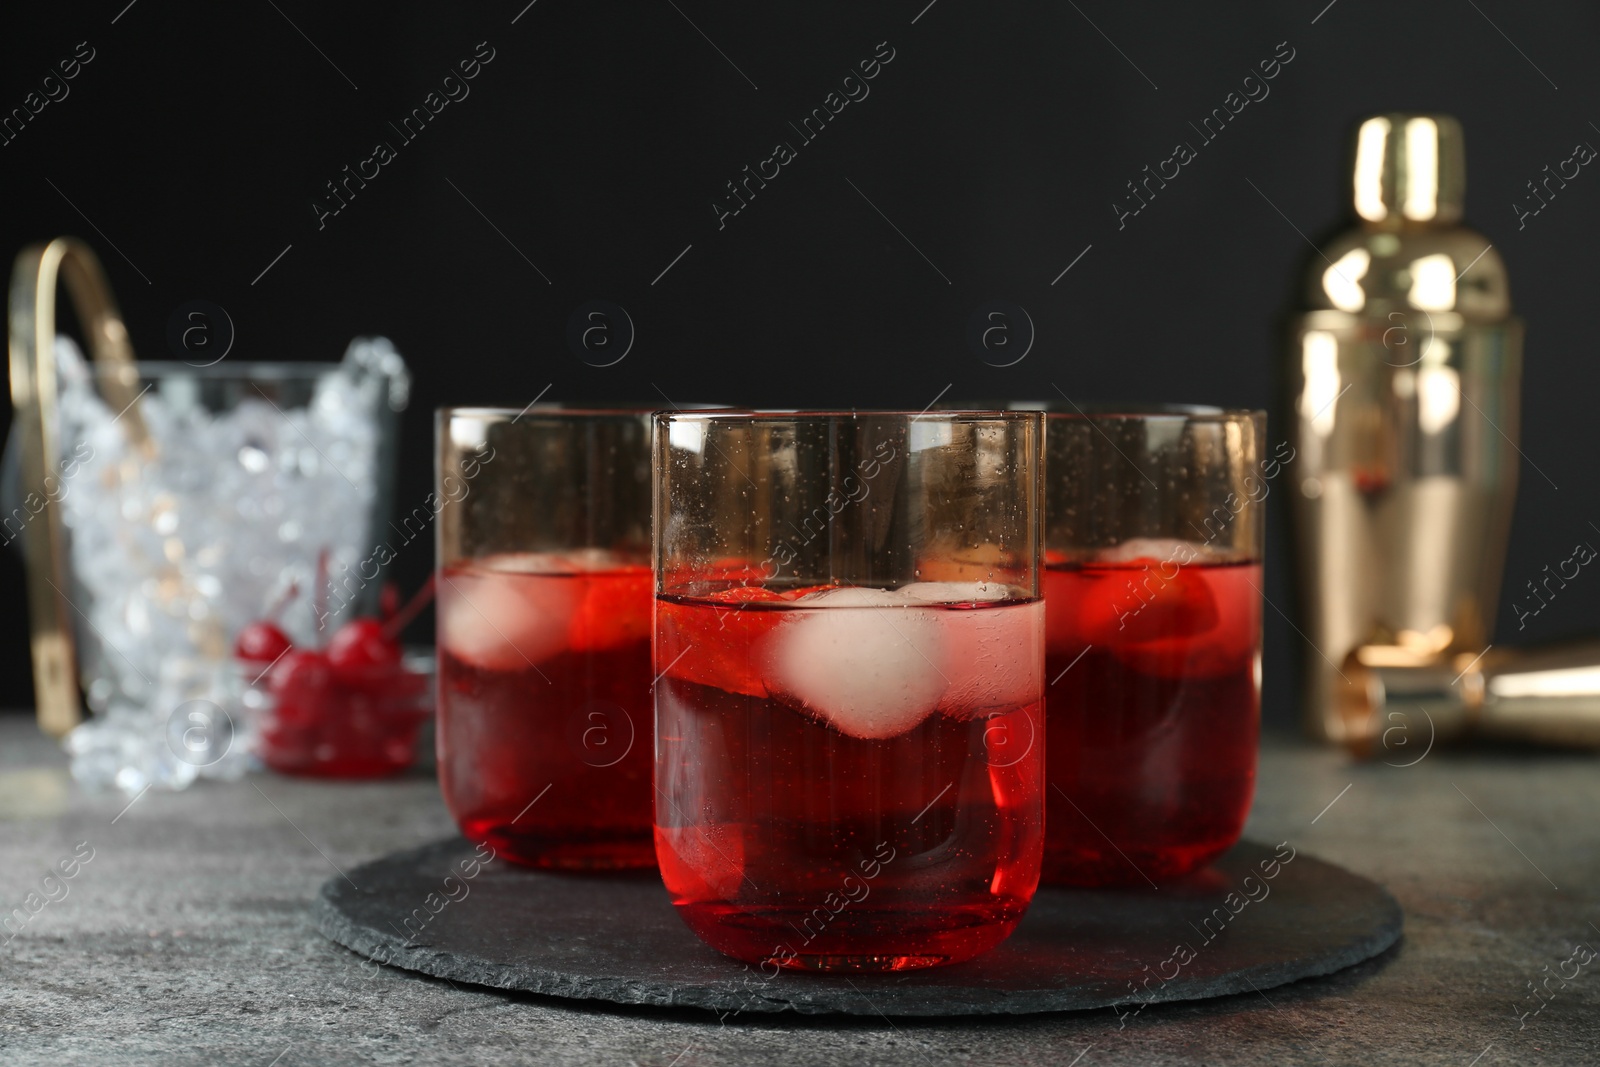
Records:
x=1152, y=582
x=849, y=642
x=544, y=633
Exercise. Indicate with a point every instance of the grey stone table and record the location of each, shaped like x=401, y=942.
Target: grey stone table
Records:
x=187, y=937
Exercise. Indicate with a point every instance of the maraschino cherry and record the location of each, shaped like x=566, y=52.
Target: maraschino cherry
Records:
x=348, y=710
x=361, y=644
x=264, y=641
x=261, y=642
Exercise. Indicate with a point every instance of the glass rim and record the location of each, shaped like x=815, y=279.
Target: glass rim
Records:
x=761, y=415
x=544, y=412
x=1204, y=413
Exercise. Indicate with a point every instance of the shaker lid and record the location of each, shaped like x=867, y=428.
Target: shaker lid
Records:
x=1409, y=167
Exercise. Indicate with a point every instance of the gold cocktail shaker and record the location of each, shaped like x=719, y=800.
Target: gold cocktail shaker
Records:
x=1404, y=382
x=1400, y=703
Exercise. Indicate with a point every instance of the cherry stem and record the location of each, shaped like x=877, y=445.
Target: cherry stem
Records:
x=419, y=600
x=284, y=600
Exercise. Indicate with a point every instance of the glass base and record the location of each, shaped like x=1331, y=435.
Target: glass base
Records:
x=1106, y=868
x=859, y=939
x=857, y=964
x=590, y=851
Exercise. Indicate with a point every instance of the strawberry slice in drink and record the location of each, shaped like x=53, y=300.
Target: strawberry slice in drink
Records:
x=718, y=650
x=1192, y=621
x=614, y=610
x=725, y=573
x=1230, y=645
x=1144, y=600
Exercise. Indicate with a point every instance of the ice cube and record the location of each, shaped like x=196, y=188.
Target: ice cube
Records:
x=501, y=622
x=868, y=661
x=991, y=655
x=957, y=592
x=994, y=658
x=1164, y=549
x=528, y=563
x=591, y=559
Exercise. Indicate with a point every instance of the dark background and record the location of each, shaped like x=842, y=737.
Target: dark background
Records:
x=194, y=144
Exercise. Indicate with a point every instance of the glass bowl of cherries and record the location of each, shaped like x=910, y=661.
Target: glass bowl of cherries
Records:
x=350, y=708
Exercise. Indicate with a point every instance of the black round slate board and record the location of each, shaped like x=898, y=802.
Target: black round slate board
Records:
x=616, y=938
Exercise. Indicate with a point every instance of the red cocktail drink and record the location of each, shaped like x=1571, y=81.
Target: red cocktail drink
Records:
x=849, y=637
x=1154, y=527
x=544, y=632
x=545, y=706
x=1154, y=708
x=850, y=778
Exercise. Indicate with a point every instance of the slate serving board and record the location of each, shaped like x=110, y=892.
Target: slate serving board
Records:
x=617, y=938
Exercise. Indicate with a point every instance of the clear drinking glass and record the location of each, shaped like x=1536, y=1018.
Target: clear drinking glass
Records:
x=544, y=632
x=1153, y=536
x=849, y=643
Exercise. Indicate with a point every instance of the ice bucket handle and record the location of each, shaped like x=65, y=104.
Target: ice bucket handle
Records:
x=33, y=399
